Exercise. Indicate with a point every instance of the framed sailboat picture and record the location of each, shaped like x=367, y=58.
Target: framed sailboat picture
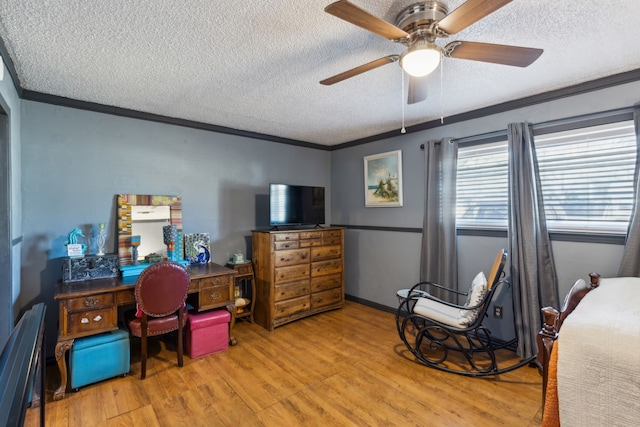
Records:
x=383, y=179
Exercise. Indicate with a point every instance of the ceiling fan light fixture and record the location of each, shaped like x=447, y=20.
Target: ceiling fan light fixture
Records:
x=421, y=58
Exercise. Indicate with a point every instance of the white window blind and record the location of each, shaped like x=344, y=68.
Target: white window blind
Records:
x=482, y=186
x=587, y=177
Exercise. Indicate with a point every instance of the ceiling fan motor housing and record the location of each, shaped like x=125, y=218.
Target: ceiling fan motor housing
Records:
x=419, y=17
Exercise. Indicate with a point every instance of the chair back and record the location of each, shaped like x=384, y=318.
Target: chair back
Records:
x=496, y=270
x=161, y=288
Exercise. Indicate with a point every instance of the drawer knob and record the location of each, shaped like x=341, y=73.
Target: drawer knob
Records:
x=215, y=295
x=97, y=318
x=215, y=281
x=84, y=320
x=90, y=302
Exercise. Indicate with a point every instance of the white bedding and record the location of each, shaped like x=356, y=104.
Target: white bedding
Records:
x=599, y=357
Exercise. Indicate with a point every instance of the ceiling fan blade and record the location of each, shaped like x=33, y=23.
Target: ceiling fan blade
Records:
x=359, y=70
x=496, y=53
x=468, y=13
x=417, y=89
x=363, y=19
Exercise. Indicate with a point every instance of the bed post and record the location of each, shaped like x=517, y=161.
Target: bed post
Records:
x=552, y=320
x=546, y=338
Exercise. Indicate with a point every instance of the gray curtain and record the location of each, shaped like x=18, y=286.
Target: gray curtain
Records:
x=533, y=273
x=630, y=265
x=439, y=262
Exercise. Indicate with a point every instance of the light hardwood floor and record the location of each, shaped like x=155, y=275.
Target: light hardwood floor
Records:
x=342, y=368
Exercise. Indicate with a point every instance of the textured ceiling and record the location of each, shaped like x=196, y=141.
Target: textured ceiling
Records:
x=255, y=65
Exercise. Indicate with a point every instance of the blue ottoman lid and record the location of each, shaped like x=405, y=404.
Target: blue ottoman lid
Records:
x=93, y=340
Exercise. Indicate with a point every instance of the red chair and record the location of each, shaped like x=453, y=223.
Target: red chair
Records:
x=161, y=291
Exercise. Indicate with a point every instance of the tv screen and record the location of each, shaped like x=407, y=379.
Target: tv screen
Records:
x=295, y=205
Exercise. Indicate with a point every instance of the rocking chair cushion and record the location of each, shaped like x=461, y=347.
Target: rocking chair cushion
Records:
x=432, y=309
x=476, y=293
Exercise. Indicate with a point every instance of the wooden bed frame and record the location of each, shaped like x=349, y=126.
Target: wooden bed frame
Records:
x=552, y=320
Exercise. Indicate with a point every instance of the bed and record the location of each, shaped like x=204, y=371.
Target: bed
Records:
x=589, y=355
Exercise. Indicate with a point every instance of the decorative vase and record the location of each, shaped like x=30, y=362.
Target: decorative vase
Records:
x=102, y=238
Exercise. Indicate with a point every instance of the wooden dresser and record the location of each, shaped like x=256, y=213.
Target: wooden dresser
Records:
x=298, y=273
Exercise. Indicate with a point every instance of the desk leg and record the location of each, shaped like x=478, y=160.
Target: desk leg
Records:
x=62, y=346
x=231, y=308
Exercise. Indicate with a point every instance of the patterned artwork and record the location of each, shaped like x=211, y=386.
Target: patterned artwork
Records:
x=197, y=248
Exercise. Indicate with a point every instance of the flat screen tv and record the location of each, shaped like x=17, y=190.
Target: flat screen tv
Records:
x=292, y=205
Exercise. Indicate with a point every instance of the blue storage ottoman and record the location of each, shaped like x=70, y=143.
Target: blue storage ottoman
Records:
x=99, y=357
x=207, y=332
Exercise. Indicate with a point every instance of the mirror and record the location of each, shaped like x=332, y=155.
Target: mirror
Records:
x=144, y=216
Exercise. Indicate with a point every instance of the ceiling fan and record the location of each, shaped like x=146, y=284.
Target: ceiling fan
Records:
x=417, y=27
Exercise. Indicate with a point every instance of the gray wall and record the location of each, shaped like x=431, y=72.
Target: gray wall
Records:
x=10, y=208
x=74, y=162
x=380, y=262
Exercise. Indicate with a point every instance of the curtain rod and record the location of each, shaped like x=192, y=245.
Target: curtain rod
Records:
x=585, y=120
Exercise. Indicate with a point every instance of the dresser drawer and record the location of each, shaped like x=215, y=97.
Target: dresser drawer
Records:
x=291, y=290
x=278, y=237
x=214, y=296
x=92, y=320
x=322, y=268
x=324, y=283
x=284, y=245
x=306, y=235
x=332, y=237
x=214, y=281
x=326, y=252
x=291, y=274
x=90, y=302
x=292, y=306
x=307, y=243
x=291, y=257
x=329, y=234
x=321, y=299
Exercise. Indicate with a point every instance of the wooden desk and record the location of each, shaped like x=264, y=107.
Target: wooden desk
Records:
x=91, y=307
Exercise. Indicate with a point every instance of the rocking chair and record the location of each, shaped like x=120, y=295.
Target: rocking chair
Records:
x=451, y=337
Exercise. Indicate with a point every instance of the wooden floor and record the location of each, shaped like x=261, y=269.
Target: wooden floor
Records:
x=342, y=368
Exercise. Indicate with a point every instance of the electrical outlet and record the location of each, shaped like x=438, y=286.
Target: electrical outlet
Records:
x=497, y=311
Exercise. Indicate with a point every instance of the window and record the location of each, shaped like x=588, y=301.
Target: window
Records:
x=481, y=186
x=586, y=175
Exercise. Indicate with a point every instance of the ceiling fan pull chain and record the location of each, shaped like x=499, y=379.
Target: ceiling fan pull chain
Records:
x=441, y=91
x=403, y=130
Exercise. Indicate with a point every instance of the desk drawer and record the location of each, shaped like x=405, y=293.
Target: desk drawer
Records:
x=291, y=306
x=214, y=296
x=243, y=269
x=90, y=302
x=214, y=281
x=92, y=320
x=126, y=297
